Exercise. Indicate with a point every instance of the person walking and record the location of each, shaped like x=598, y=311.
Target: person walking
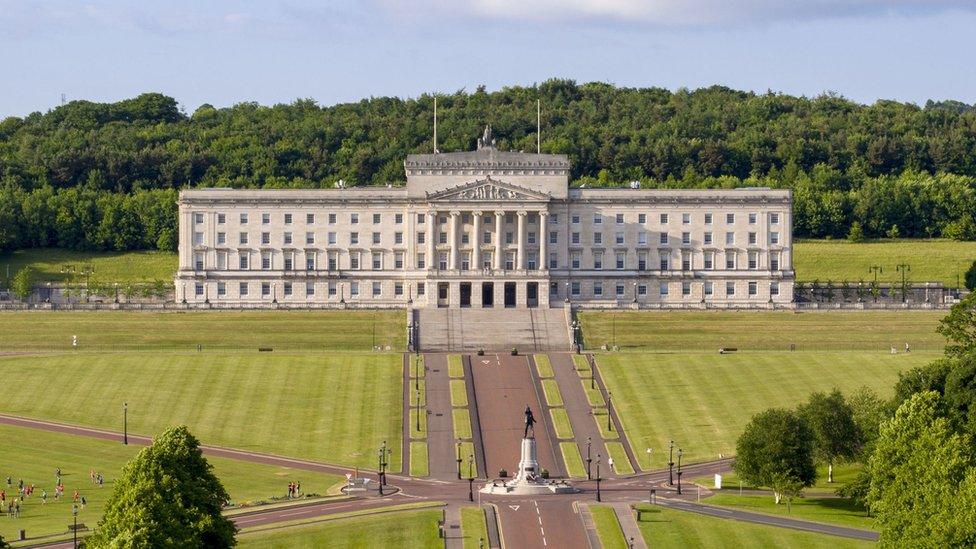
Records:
x=44, y=497
x=84, y=502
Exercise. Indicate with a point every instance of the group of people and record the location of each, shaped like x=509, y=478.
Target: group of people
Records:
x=25, y=491
x=294, y=489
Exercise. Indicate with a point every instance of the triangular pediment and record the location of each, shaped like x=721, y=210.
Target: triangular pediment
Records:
x=488, y=190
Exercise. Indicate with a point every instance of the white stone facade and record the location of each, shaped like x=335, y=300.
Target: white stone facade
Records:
x=486, y=228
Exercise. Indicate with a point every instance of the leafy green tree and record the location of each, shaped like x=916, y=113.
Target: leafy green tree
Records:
x=3, y=544
x=856, y=232
x=167, y=496
x=971, y=277
x=23, y=282
x=960, y=392
x=776, y=448
x=868, y=411
x=959, y=327
x=836, y=435
x=923, y=483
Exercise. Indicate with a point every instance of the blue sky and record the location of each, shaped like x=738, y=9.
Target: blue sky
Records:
x=224, y=52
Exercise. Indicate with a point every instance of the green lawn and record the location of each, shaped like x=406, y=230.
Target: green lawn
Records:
x=468, y=464
x=581, y=365
x=454, y=366
x=667, y=528
x=109, y=267
x=832, y=510
x=418, y=391
x=608, y=527
x=462, y=423
x=414, y=529
x=459, y=393
x=572, y=459
x=561, y=423
x=593, y=394
x=337, y=408
x=600, y=417
x=414, y=432
x=37, y=331
x=933, y=260
x=474, y=527
x=543, y=366
x=763, y=330
x=34, y=455
x=702, y=401
x=621, y=463
x=551, y=390
x=418, y=458
x=418, y=367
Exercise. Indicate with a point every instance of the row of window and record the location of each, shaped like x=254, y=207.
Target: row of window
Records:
x=307, y=289
x=664, y=289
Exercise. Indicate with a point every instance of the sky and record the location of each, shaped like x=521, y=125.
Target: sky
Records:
x=223, y=52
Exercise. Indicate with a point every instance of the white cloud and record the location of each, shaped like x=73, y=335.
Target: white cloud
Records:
x=670, y=12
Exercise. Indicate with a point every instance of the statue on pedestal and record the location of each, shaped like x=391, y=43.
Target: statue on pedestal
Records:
x=529, y=423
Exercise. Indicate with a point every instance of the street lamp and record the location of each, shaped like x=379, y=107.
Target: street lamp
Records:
x=125, y=423
x=598, y=479
x=648, y=451
x=74, y=516
x=589, y=441
x=635, y=292
x=470, y=478
x=904, y=268
x=410, y=343
x=459, y=458
x=383, y=455
x=679, y=470
x=379, y=468
x=609, y=403
x=670, y=463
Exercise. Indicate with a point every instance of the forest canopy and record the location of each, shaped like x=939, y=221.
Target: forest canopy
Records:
x=104, y=176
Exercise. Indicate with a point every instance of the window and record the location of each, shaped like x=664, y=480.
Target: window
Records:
x=554, y=219
x=421, y=288
x=553, y=237
x=509, y=237
x=730, y=218
x=773, y=288
x=664, y=219
x=708, y=219
x=243, y=289
x=729, y=238
x=773, y=218
x=221, y=238
x=287, y=219
x=486, y=237
x=752, y=239
x=332, y=219
x=597, y=260
x=421, y=264
x=642, y=238
x=332, y=289
x=575, y=220
x=243, y=219
x=198, y=289
x=618, y=238
x=686, y=288
x=265, y=238
x=309, y=289
x=708, y=238
x=377, y=289
x=753, y=288
x=685, y=218
x=310, y=261
x=730, y=260
x=198, y=218
x=642, y=289
x=265, y=289
x=377, y=261
x=665, y=260
x=597, y=238
x=530, y=237
x=708, y=256
x=597, y=289
x=221, y=260
x=510, y=261
x=333, y=261
x=398, y=237
x=730, y=288
x=442, y=261
x=774, y=237
x=354, y=218
x=553, y=289
x=354, y=260
x=242, y=262
x=288, y=239
x=289, y=261
x=265, y=261
x=310, y=238
x=553, y=260
x=198, y=261
x=287, y=288
x=753, y=261
x=465, y=218
x=709, y=288
x=442, y=238
x=575, y=260
x=309, y=219
x=421, y=237
x=421, y=218
x=398, y=289
x=685, y=239
x=597, y=219
x=574, y=288
x=377, y=218
x=575, y=238
x=642, y=261
x=686, y=261
x=242, y=238
x=221, y=219
x=774, y=262
x=620, y=260
x=619, y=290
x=265, y=218
x=377, y=237
x=664, y=289
x=664, y=239
x=332, y=237
x=354, y=289
x=398, y=260
x=198, y=238
x=642, y=218
x=620, y=219
x=398, y=219
x=353, y=238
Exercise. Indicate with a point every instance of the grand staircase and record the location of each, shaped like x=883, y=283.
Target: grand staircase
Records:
x=493, y=329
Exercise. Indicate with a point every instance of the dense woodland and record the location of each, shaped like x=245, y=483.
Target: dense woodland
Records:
x=94, y=176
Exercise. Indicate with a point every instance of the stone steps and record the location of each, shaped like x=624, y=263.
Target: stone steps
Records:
x=493, y=329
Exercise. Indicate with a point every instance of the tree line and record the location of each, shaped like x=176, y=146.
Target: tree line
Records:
x=917, y=450
x=886, y=169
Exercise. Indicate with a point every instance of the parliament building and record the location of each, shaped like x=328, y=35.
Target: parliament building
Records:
x=485, y=229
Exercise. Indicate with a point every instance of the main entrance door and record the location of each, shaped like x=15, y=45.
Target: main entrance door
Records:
x=442, y=291
x=532, y=294
x=465, y=294
x=509, y=294
x=487, y=294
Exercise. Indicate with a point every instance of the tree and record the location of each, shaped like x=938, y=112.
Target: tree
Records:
x=167, y=496
x=959, y=327
x=868, y=411
x=23, y=282
x=923, y=482
x=856, y=233
x=836, y=436
x=3, y=544
x=971, y=277
x=775, y=449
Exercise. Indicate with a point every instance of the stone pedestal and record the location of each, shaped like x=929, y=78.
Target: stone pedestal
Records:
x=527, y=480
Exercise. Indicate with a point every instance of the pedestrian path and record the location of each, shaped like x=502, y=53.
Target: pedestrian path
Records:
x=628, y=524
x=440, y=423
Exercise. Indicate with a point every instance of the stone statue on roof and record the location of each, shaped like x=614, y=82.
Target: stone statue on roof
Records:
x=487, y=140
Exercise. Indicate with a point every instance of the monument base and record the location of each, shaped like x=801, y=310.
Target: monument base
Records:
x=527, y=480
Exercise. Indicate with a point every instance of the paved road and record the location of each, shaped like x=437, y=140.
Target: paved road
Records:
x=440, y=423
x=577, y=407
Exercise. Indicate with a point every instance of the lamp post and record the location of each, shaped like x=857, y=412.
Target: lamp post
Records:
x=470, y=478
x=589, y=441
x=418, y=410
x=384, y=452
x=635, y=292
x=410, y=344
x=609, y=403
x=459, y=458
x=670, y=463
x=74, y=516
x=379, y=468
x=904, y=268
x=875, y=269
x=125, y=423
x=679, y=470
x=598, y=479
x=648, y=451
x=416, y=373
x=87, y=269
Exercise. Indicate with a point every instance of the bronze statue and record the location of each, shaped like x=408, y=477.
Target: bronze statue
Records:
x=529, y=422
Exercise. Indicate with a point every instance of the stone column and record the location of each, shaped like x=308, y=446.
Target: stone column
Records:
x=520, y=253
x=499, y=220
x=186, y=238
x=410, y=261
x=543, y=237
x=476, y=241
x=431, y=240
x=454, y=256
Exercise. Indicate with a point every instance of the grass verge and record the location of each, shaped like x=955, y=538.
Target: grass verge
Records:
x=474, y=527
x=621, y=464
x=376, y=529
x=561, y=423
x=608, y=527
x=455, y=368
x=418, y=458
x=462, y=423
x=573, y=460
x=551, y=390
x=459, y=393
x=543, y=366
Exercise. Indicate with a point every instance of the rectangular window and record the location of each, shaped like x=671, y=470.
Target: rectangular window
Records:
x=620, y=260
x=709, y=288
x=265, y=289
x=198, y=289
x=708, y=260
x=753, y=288
x=774, y=238
x=773, y=218
x=197, y=238
x=398, y=238
x=575, y=238
x=642, y=289
x=686, y=288
x=597, y=289
x=442, y=238
x=221, y=219
x=198, y=261
x=265, y=218
x=221, y=238
x=265, y=261
x=730, y=260
x=752, y=219
x=265, y=238
x=309, y=238
x=574, y=288
x=287, y=219
x=377, y=261
x=553, y=237
x=708, y=219
x=421, y=263
x=421, y=238
x=442, y=261
x=332, y=238
x=309, y=289
x=618, y=238
x=553, y=260
x=685, y=239
x=289, y=261
x=310, y=261
x=686, y=262
x=377, y=237
x=243, y=289
x=243, y=219
x=575, y=260
x=198, y=218
x=730, y=288
x=530, y=236
x=288, y=239
x=597, y=219
x=509, y=237
x=664, y=219
x=221, y=289
x=377, y=289
x=642, y=218
x=729, y=238
x=421, y=218
x=221, y=260
x=354, y=218
x=377, y=218
x=752, y=239
x=398, y=218
x=309, y=219
x=353, y=238
x=664, y=239
x=421, y=288
x=333, y=290
x=642, y=238
x=642, y=261
x=486, y=237
x=333, y=261
x=664, y=289
x=774, y=288
x=620, y=219
x=774, y=262
x=242, y=262
x=708, y=238
x=575, y=220
x=597, y=238
x=354, y=289
x=685, y=218
x=332, y=219
x=287, y=288
x=665, y=262
x=730, y=218
x=753, y=261
x=554, y=219
x=597, y=260
x=242, y=238
x=619, y=289
x=354, y=260
x=398, y=260
x=398, y=289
